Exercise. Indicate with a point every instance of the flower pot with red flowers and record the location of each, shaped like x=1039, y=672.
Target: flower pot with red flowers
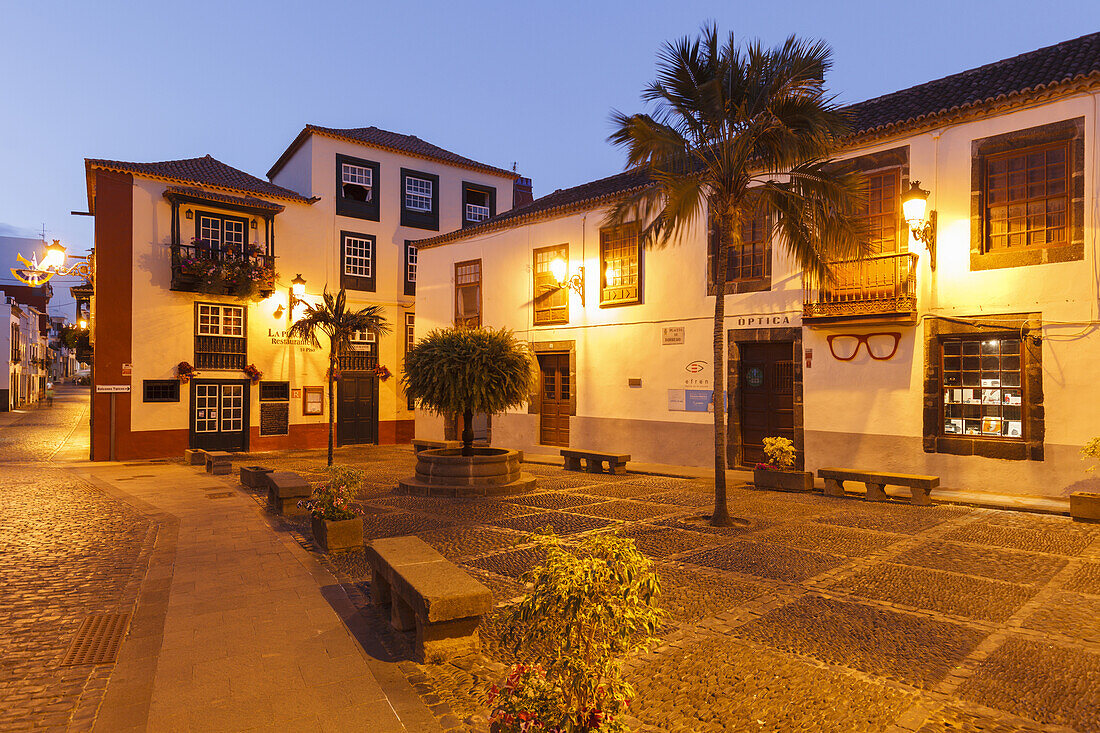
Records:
x=778, y=473
x=335, y=523
x=185, y=372
x=253, y=373
x=382, y=373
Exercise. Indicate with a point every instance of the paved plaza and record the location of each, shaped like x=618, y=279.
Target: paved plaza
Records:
x=812, y=614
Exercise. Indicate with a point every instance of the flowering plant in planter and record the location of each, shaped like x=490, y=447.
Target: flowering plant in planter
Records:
x=781, y=453
x=253, y=373
x=1090, y=451
x=332, y=500
x=185, y=371
x=778, y=473
x=382, y=372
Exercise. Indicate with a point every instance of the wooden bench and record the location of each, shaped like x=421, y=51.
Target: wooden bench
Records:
x=427, y=592
x=876, y=481
x=419, y=445
x=593, y=460
x=284, y=490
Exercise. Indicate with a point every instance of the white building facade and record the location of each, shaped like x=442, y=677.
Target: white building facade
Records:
x=973, y=362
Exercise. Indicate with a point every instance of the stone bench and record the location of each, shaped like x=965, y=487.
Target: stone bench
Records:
x=427, y=592
x=876, y=481
x=593, y=460
x=284, y=490
x=255, y=477
x=218, y=462
x=419, y=445
x=194, y=457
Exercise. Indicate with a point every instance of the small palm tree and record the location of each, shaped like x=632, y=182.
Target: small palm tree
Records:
x=734, y=130
x=332, y=318
x=463, y=371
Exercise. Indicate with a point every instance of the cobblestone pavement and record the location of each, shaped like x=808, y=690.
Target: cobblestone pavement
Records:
x=813, y=613
x=67, y=551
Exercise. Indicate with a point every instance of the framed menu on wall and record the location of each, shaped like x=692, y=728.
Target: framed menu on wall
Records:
x=313, y=400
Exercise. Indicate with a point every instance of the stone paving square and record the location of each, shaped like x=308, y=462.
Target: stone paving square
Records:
x=836, y=540
x=766, y=561
x=561, y=523
x=986, y=562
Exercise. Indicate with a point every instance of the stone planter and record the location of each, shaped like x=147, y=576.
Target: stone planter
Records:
x=783, y=480
x=255, y=477
x=337, y=534
x=446, y=472
x=1084, y=506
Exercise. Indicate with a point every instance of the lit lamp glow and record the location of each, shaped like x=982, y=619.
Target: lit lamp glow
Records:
x=83, y=324
x=297, y=290
x=922, y=223
x=559, y=268
x=55, y=256
x=609, y=276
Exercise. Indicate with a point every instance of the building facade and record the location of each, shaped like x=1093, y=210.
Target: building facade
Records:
x=971, y=359
x=201, y=269
x=25, y=353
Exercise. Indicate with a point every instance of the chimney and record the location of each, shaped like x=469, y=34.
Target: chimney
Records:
x=522, y=193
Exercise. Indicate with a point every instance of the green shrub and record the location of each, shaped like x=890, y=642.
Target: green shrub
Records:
x=1091, y=452
x=332, y=500
x=780, y=453
x=588, y=609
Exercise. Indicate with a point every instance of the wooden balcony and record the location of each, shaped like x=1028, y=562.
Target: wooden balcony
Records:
x=881, y=288
x=235, y=274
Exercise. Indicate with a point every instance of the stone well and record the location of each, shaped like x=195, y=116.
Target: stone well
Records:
x=446, y=472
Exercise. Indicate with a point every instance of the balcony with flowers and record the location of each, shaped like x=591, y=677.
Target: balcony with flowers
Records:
x=244, y=270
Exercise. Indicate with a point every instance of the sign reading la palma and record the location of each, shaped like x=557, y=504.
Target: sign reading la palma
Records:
x=281, y=338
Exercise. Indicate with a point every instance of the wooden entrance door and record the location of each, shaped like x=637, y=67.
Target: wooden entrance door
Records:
x=219, y=414
x=766, y=385
x=357, y=409
x=555, y=393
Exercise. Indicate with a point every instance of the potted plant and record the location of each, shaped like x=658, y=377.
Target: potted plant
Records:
x=185, y=371
x=253, y=373
x=778, y=473
x=335, y=523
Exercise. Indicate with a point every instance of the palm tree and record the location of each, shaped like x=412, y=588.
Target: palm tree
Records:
x=463, y=371
x=333, y=318
x=733, y=130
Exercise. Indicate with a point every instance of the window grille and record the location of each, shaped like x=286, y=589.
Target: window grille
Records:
x=418, y=194
x=410, y=264
x=468, y=294
x=358, y=256
x=982, y=389
x=1026, y=195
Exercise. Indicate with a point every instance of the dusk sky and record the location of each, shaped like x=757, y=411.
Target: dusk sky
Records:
x=500, y=82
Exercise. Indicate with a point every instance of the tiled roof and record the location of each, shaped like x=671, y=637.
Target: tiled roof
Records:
x=1035, y=71
x=1020, y=75
x=204, y=171
x=559, y=202
x=387, y=140
x=221, y=198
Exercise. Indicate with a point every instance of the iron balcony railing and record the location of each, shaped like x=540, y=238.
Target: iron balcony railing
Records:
x=880, y=285
x=188, y=260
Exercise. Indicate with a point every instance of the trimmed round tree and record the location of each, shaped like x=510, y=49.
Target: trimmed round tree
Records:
x=467, y=371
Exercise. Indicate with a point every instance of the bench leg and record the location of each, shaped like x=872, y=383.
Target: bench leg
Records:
x=876, y=492
x=446, y=640
x=572, y=463
x=593, y=465
x=834, y=487
x=611, y=466
x=920, y=497
x=402, y=617
x=379, y=589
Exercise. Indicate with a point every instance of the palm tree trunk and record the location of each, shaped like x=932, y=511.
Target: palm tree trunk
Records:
x=468, y=433
x=721, y=516
x=331, y=404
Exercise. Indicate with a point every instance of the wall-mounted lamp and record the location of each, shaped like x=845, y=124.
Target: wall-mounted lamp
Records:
x=297, y=290
x=253, y=223
x=921, y=222
x=83, y=324
x=189, y=214
x=559, y=268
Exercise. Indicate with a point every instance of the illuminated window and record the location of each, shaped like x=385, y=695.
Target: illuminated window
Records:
x=982, y=387
x=468, y=294
x=551, y=299
x=620, y=265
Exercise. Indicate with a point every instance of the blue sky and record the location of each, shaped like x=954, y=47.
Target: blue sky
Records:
x=500, y=82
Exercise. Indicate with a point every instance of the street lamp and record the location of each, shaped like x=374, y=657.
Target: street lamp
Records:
x=559, y=269
x=53, y=263
x=297, y=290
x=914, y=205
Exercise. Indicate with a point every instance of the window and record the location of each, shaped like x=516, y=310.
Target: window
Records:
x=357, y=191
x=411, y=255
x=418, y=194
x=363, y=341
x=220, y=341
x=478, y=203
x=620, y=265
x=1027, y=197
x=274, y=391
x=982, y=387
x=161, y=390
x=1027, y=206
x=881, y=217
x=218, y=233
x=468, y=294
x=551, y=299
x=419, y=199
x=410, y=341
x=357, y=261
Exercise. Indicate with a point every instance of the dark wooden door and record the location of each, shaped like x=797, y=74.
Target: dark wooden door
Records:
x=357, y=409
x=219, y=414
x=766, y=387
x=555, y=393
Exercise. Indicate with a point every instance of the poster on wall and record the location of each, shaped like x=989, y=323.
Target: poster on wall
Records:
x=699, y=400
x=676, y=400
